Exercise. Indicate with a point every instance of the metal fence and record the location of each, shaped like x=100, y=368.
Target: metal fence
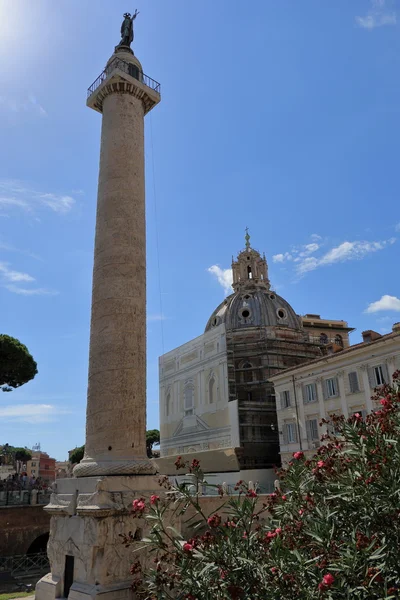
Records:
x=23, y=497
x=130, y=69
x=24, y=564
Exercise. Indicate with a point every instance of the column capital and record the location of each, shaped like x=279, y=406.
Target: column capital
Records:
x=340, y=373
x=364, y=367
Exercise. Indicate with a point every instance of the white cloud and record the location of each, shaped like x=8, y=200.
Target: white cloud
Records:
x=385, y=303
x=342, y=253
x=30, y=413
x=378, y=15
x=297, y=253
x=224, y=277
x=14, y=276
x=60, y=204
x=4, y=201
x=10, y=278
x=9, y=248
x=309, y=249
x=308, y=264
x=397, y=227
x=27, y=104
x=16, y=195
x=30, y=291
x=156, y=317
x=278, y=258
x=36, y=105
x=315, y=237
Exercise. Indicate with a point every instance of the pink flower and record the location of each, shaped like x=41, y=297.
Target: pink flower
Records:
x=328, y=579
x=214, y=521
x=154, y=499
x=298, y=455
x=278, y=531
x=187, y=547
x=251, y=494
x=284, y=498
x=195, y=464
x=301, y=511
x=274, y=570
x=385, y=402
x=138, y=505
x=320, y=464
x=270, y=535
x=230, y=524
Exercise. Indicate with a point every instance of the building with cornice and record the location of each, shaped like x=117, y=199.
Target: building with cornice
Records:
x=217, y=399
x=340, y=383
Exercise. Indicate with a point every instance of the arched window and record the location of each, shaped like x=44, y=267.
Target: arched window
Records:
x=339, y=340
x=323, y=338
x=188, y=395
x=248, y=373
x=211, y=390
x=168, y=405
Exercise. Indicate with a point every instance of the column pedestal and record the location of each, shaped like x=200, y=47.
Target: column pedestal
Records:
x=86, y=551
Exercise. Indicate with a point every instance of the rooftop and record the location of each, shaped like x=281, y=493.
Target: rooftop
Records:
x=367, y=341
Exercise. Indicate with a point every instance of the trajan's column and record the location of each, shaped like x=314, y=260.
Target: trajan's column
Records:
x=91, y=510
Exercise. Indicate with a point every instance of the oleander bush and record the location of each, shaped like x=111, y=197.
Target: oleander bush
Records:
x=330, y=531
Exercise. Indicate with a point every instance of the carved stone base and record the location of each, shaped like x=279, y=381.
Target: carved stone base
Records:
x=90, y=516
x=50, y=588
x=123, y=48
x=91, y=468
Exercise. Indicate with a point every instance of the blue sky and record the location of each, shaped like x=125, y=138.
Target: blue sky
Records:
x=280, y=116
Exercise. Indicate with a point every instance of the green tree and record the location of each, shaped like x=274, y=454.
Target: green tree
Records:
x=152, y=438
x=22, y=454
x=77, y=455
x=331, y=531
x=16, y=364
x=9, y=455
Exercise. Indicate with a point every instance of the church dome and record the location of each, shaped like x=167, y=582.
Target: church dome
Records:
x=254, y=308
x=253, y=303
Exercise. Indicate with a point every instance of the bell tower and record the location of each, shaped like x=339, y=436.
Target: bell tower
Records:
x=250, y=268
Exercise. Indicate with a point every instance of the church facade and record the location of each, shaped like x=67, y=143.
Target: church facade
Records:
x=217, y=402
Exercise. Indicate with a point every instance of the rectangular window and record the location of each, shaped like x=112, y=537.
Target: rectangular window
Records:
x=312, y=429
x=46, y=467
x=188, y=395
x=379, y=376
x=285, y=399
x=291, y=433
x=310, y=392
x=331, y=387
x=353, y=381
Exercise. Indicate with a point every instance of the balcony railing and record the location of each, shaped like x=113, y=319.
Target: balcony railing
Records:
x=128, y=68
x=24, y=564
x=23, y=497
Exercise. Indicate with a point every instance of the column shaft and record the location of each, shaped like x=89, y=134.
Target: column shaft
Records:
x=116, y=407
